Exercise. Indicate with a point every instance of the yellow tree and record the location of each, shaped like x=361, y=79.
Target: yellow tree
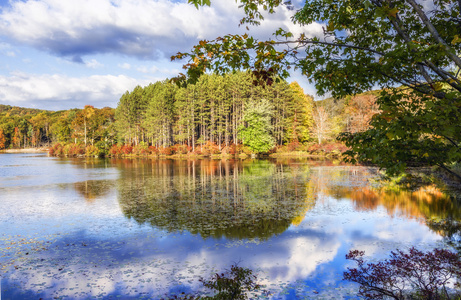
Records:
x=301, y=117
x=2, y=139
x=82, y=119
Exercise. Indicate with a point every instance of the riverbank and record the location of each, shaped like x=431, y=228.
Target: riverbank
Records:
x=26, y=150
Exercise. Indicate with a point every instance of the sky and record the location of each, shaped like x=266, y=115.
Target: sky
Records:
x=62, y=54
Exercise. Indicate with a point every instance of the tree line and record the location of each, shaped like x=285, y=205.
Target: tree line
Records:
x=218, y=113
x=223, y=110
x=25, y=128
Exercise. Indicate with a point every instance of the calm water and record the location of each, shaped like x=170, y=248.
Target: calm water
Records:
x=130, y=229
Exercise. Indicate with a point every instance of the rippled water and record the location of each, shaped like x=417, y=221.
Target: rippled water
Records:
x=79, y=228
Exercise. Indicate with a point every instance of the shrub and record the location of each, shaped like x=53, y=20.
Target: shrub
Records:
x=328, y=148
x=230, y=149
x=140, y=149
x=406, y=275
x=243, y=149
x=115, y=150
x=56, y=150
x=210, y=148
x=73, y=150
x=314, y=148
x=91, y=150
x=236, y=283
x=166, y=150
x=197, y=151
x=152, y=150
x=293, y=145
x=181, y=149
x=126, y=149
x=103, y=148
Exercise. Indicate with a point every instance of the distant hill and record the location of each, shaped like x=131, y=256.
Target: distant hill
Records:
x=20, y=111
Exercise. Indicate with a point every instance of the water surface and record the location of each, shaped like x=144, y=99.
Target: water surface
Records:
x=89, y=228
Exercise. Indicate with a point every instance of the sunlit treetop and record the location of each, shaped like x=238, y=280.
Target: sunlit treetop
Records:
x=408, y=48
x=365, y=43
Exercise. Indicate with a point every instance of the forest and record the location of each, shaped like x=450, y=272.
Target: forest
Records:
x=217, y=115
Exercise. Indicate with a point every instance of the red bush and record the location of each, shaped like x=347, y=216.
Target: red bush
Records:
x=181, y=149
x=293, y=145
x=166, y=150
x=327, y=148
x=230, y=149
x=56, y=150
x=115, y=150
x=210, y=148
x=429, y=275
x=126, y=149
x=152, y=150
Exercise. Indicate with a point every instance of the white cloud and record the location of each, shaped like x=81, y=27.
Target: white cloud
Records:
x=142, y=28
x=145, y=29
x=125, y=66
x=35, y=90
x=93, y=64
x=75, y=31
x=144, y=69
x=7, y=50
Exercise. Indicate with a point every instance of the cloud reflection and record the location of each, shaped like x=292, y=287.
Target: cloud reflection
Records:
x=101, y=253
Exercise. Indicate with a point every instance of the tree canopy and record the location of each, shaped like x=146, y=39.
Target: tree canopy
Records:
x=408, y=48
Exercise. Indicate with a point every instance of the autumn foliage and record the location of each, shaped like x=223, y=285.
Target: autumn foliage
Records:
x=427, y=275
x=2, y=139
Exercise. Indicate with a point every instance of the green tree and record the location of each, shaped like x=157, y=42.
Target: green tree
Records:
x=409, y=48
x=256, y=133
x=61, y=129
x=158, y=118
x=129, y=116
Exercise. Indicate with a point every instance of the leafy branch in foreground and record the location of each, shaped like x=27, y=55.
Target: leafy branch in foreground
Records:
x=408, y=48
x=431, y=275
x=238, y=283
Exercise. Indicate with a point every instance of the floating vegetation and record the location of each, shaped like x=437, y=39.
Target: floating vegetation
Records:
x=145, y=229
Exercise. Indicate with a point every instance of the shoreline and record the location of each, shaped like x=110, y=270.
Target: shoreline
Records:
x=25, y=150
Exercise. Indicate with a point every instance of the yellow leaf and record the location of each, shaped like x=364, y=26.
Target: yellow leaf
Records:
x=393, y=12
x=455, y=40
x=330, y=26
x=437, y=86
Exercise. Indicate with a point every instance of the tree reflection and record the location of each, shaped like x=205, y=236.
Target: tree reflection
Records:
x=440, y=212
x=214, y=198
x=93, y=189
x=450, y=230
x=427, y=202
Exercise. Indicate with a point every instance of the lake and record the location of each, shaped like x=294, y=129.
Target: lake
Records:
x=147, y=229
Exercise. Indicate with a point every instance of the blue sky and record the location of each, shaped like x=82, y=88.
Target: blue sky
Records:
x=61, y=54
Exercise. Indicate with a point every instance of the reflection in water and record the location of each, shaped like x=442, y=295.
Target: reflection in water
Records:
x=235, y=199
x=426, y=203
x=111, y=229
x=440, y=212
x=450, y=230
x=93, y=189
